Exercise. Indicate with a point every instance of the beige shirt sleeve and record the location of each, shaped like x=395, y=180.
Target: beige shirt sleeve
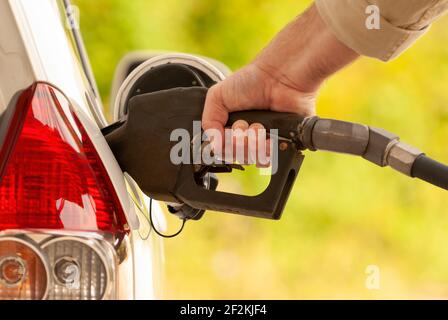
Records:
x=401, y=23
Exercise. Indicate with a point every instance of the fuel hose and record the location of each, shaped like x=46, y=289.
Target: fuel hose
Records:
x=373, y=144
x=431, y=171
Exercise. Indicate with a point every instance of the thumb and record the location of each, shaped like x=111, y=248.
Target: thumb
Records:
x=215, y=113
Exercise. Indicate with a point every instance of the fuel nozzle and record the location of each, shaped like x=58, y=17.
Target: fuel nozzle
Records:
x=142, y=144
x=373, y=144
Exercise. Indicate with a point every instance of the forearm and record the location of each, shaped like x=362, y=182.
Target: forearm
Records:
x=285, y=76
x=305, y=53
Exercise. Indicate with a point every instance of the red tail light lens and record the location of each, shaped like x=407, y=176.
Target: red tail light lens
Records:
x=51, y=175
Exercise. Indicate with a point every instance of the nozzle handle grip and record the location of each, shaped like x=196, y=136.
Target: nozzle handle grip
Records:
x=286, y=123
x=271, y=202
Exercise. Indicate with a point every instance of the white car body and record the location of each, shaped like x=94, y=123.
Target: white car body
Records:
x=38, y=44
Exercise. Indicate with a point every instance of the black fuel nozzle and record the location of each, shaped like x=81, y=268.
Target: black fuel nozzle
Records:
x=171, y=97
x=185, y=212
x=143, y=144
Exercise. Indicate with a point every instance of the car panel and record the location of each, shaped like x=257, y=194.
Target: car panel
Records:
x=36, y=45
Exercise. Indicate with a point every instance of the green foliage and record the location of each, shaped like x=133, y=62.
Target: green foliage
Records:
x=345, y=214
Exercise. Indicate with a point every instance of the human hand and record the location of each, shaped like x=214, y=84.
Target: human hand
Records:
x=285, y=77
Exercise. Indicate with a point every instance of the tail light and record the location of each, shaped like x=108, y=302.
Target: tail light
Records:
x=81, y=269
x=59, y=212
x=23, y=270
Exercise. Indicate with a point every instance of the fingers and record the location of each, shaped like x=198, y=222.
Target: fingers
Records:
x=258, y=146
x=239, y=142
x=249, y=144
x=240, y=124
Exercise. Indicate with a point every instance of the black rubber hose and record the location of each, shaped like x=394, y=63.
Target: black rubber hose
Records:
x=431, y=171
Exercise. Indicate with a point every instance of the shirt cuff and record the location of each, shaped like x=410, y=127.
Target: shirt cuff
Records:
x=347, y=19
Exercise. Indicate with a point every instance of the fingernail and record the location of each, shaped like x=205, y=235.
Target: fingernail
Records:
x=240, y=124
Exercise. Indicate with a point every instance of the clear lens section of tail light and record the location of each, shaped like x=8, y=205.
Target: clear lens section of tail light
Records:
x=81, y=269
x=24, y=270
x=38, y=265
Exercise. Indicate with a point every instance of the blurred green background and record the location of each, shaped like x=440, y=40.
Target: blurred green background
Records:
x=345, y=214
